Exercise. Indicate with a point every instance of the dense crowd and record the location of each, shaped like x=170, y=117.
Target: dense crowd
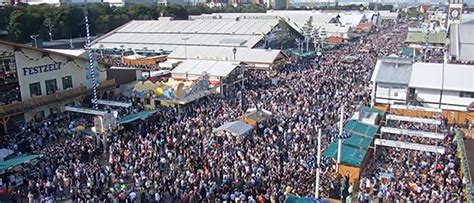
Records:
x=119, y=62
x=415, y=175
x=177, y=157
x=434, y=56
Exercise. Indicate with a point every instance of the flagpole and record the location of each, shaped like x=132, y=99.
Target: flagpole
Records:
x=318, y=169
x=339, y=141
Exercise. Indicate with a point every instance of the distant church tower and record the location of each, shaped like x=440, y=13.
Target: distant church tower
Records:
x=454, y=12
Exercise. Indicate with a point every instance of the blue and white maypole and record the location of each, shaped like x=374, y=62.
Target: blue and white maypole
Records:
x=91, y=61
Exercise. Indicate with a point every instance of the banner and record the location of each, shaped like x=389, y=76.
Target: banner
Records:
x=416, y=108
x=414, y=119
x=411, y=146
x=418, y=133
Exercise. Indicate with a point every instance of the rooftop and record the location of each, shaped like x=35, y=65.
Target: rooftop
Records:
x=167, y=35
x=212, y=68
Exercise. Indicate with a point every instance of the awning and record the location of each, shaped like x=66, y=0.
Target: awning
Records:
x=407, y=52
x=133, y=117
x=237, y=128
x=5, y=153
x=296, y=199
x=10, y=163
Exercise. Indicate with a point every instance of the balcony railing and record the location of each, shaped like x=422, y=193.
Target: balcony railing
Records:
x=20, y=107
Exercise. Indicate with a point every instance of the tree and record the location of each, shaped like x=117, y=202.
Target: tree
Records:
x=22, y=24
x=48, y=23
x=283, y=36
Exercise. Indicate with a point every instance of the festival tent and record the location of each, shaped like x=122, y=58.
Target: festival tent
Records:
x=10, y=163
x=133, y=117
x=354, y=149
x=236, y=128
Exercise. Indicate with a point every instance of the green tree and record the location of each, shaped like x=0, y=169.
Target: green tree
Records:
x=22, y=24
x=283, y=36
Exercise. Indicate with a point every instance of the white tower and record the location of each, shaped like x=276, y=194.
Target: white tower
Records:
x=454, y=12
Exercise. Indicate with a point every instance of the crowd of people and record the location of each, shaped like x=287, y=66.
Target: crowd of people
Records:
x=176, y=156
x=415, y=175
x=118, y=61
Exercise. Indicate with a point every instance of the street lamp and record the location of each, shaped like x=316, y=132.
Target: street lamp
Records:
x=33, y=37
x=185, y=47
x=234, y=50
x=243, y=88
x=122, y=49
x=101, y=47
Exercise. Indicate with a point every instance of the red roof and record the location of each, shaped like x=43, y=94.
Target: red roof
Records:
x=335, y=40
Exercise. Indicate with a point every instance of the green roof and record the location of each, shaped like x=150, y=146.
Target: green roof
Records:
x=407, y=52
x=10, y=163
x=420, y=37
x=134, y=117
x=373, y=110
x=355, y=148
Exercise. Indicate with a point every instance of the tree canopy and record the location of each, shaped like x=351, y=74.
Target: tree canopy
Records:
x=68, y=21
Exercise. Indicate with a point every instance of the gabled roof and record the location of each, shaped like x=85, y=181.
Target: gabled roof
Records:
x=49, y=51
x=210, y=67
x=246, y=55
x=169, y=34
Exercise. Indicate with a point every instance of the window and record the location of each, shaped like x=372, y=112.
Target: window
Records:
x=67, y=82
x=466, y=94
x=35, y=89
x=51, y=86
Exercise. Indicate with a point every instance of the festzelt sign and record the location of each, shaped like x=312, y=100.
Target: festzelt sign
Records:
x=41, y=69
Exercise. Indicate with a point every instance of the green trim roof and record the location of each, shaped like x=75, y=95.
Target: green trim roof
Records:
x=407, y=52
x=10, y=163
x=134, y=117
x=355, y=148
x=420, y=37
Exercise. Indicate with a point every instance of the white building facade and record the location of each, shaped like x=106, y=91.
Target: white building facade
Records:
x=48, y=81
x=433, y=85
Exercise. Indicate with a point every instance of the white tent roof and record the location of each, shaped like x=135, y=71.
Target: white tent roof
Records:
x=212, y=68
x=73, y=52
x=261, y=56
x=237, y=128
x=414, y=119
x=418, y=133
x=167, y=35
x=410, y=146
x=429, y=75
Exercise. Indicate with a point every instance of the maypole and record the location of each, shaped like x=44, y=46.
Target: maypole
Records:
x=91, y=60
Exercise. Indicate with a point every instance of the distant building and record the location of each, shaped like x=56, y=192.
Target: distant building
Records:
x=110, y=2
x=5, y=3
x=171, y=2
x=38, y=82
x=59, y=2
x=129, y=2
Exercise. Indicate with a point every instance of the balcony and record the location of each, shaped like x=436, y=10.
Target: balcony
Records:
x=21, y=107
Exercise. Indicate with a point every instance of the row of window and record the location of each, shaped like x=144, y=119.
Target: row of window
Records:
x=51, y=86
